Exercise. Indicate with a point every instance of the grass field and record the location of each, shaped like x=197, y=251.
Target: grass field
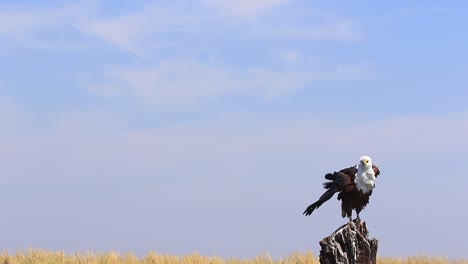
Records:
x=43, y=257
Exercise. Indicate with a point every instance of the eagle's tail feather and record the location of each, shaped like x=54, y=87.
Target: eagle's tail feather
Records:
x=325, y=197
x=327, y=185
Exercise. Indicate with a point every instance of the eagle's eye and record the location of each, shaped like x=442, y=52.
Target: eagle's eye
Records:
x=367, y=161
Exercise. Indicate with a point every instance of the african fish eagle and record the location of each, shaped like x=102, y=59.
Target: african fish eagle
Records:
x=354, y=186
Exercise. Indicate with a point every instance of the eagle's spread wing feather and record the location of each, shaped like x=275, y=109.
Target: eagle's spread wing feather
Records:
x=338, y=181
x=351, y=171
x=343, y=183
x=376, y=170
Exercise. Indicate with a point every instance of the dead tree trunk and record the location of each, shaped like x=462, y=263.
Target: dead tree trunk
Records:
x=350, y=244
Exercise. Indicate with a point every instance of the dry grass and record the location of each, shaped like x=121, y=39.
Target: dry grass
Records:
x=46, y=257
x=420, y=260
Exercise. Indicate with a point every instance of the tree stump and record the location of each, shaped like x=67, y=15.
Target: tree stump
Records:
x=350, y=244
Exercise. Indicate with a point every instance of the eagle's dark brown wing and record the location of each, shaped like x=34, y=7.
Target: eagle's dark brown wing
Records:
x=376, y=170
x=338, y=181
x=349, y=172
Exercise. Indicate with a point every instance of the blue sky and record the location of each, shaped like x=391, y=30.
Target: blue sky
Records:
x=208, y=125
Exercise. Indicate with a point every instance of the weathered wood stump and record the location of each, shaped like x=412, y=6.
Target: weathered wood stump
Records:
x=350, y=244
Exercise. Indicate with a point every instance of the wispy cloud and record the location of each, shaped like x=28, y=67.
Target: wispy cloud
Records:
x=18, y=23
x=168, y=83
x=179, y=83
x=144, y=30
x=290, y=56
x=329, y=30
x=137, y=32
x=42, y=27
x=154, y=25
x=245, y=8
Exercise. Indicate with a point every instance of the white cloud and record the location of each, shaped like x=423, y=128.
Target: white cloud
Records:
x=143, y=30
x=291, y=56
x=181, y=83
x=274, y=84
x=138, y=31
x=168, y=83
x=17, y=23
x=146, y=28
x=330, y=30
x=245, y=8
x=42, y=27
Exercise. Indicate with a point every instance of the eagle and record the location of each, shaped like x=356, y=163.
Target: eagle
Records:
x=354, y=186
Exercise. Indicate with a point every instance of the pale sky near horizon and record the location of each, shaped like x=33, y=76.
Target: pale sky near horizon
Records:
x=207, y=126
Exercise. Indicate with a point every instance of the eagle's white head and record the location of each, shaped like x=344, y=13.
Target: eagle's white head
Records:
x=365, y=176
x=365, y=161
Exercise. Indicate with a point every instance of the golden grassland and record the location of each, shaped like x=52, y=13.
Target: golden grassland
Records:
x=47, y=257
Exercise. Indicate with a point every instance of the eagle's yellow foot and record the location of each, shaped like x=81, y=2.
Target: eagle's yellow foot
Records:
x=358, y=219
